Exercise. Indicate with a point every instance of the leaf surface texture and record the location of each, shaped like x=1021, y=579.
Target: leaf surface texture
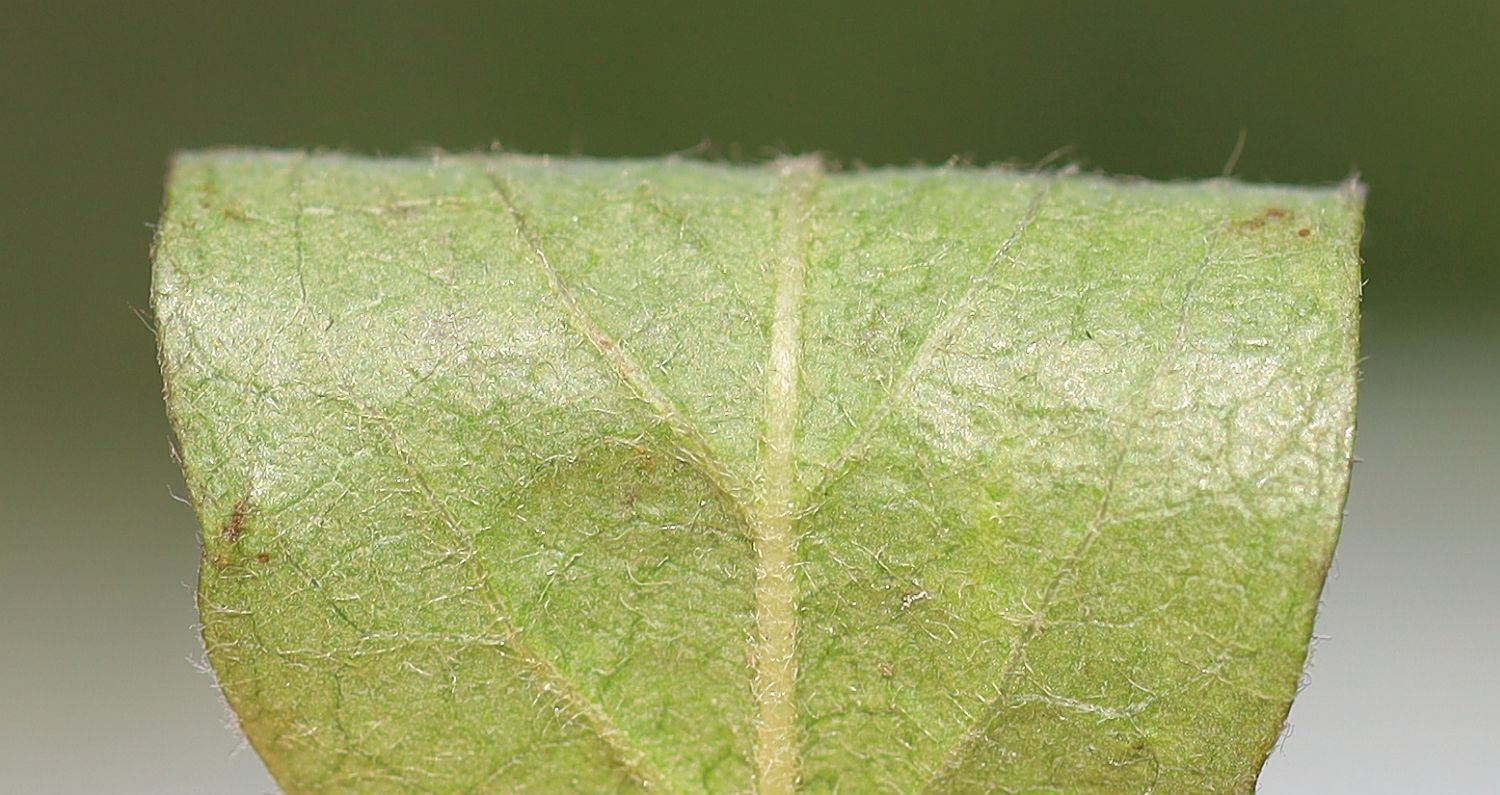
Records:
x=560, y=475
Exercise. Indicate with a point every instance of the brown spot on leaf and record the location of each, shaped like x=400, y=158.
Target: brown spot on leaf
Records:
x=263, y=557
x=643, y=458
x=1269, y=214
x=235, y=526
x=1304, y=232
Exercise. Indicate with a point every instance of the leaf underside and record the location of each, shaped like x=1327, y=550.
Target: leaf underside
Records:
x=559, y=475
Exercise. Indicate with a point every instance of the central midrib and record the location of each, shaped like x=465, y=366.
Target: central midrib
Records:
x=770, y=513
x=773, y=516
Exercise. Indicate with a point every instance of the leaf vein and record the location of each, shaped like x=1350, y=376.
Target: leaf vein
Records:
x=691, y=444
x=1037, y=624
x=773, y=522
x=549, y=678
x=937, y=337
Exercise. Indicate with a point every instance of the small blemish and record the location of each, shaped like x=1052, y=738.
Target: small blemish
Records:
x=263, y=557
x=1270, y=213
x=235, y=527
x=1304, y=232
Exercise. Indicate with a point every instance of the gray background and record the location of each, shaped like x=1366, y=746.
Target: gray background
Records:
x=98, y=686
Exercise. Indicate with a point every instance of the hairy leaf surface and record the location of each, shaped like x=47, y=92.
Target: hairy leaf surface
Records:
x=558, y=475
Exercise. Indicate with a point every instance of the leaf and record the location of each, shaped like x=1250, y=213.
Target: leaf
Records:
x=548, y=475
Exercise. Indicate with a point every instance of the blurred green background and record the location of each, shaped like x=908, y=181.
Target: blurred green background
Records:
x=98, y=691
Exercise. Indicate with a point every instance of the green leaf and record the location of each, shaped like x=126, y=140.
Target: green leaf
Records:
x=559, y=475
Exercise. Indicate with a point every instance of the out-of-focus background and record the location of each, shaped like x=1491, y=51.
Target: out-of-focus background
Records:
x=98, y=686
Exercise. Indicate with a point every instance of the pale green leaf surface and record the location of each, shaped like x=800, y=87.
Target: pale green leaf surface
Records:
x=537, y=475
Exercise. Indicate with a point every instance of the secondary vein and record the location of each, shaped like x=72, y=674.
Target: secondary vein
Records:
x=774, y=517
x=690, y=442
x=545, y=676
x=940, y=335
x=1037, y=623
